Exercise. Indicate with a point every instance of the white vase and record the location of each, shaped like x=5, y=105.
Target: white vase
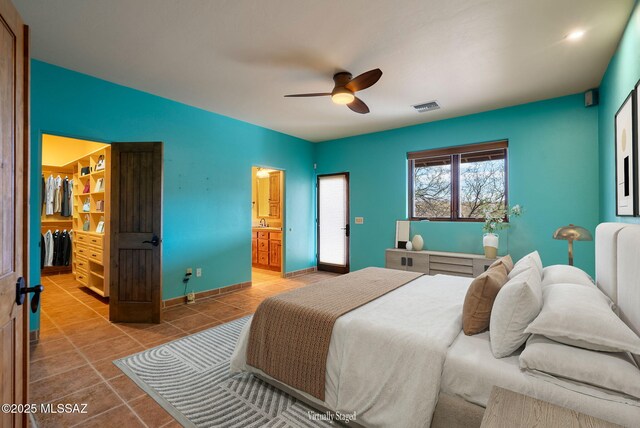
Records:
x=408, y=246
x=417, y=242
x=490, y=244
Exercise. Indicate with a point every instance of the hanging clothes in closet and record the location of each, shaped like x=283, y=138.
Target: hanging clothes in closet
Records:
x=48, y=248
x=70, y=198
x=57, y=198
x=43, y=251
x=50, y=190
x=43, y=195
x=57, y=248
x=65, y=209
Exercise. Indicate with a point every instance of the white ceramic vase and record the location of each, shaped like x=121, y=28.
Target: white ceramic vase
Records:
x=409, y=246
x=417, y=242
x=490, y=243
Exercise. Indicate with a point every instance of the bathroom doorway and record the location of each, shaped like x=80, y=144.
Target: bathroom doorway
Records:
x=267, y=224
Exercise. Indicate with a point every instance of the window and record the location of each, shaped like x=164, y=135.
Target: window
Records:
x=458, y=183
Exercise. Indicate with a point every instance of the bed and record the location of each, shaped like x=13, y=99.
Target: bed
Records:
x=402, y=360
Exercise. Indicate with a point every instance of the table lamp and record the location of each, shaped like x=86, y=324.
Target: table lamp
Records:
x=572, y=233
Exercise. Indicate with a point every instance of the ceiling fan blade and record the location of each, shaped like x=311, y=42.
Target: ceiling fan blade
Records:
x=316, y=94
x=358, y=106
x=364, y=80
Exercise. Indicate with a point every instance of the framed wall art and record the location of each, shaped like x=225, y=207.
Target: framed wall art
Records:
x=625, y=158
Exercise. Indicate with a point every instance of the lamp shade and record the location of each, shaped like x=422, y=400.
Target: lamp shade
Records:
x=573, y=233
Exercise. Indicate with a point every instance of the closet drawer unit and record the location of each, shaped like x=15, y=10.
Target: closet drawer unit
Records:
x=275, y=236
x=81, y=237
x=263, y=245
x=263, y=257
x=95, y=240
x=82, y=277
x=82, y=250
x=95, y=254
x=82, y=264
x=263, y=235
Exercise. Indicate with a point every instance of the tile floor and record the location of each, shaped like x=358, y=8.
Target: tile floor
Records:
x=72, y=361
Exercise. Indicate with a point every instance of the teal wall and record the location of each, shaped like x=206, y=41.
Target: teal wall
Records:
x=207, y=173
x=621, y=76
x=553, y=174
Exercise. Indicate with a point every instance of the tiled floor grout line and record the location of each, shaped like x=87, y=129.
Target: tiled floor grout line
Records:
x=106, y=381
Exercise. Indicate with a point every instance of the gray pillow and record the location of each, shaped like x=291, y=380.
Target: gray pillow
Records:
x=517, y=304
x=581, y=316
x=530, y=260
x=612, y=371
x=565, y=274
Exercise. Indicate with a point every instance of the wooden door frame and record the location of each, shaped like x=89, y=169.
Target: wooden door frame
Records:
x=325, y=266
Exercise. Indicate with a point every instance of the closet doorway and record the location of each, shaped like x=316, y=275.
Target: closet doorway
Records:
x=267, y=221
x=101, y=219
x=75, y=211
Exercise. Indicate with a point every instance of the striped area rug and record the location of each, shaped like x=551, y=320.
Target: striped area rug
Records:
x=190, y=378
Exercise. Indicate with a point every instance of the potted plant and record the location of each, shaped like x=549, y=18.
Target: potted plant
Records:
x=494, y=220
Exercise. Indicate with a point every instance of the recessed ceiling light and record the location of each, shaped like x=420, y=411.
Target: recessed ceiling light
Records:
x=575, y=35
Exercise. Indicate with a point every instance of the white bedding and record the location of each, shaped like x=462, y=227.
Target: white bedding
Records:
x=386, y=357
x=470, y=371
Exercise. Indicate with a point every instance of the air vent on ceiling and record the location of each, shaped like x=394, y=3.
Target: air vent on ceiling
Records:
x=428, y=106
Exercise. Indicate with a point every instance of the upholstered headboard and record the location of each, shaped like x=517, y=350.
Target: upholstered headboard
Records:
x=618, y=268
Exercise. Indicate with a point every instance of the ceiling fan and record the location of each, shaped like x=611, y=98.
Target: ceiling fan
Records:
x=345, y=88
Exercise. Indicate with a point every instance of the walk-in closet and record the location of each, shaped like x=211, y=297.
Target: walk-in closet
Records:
x=75, y=212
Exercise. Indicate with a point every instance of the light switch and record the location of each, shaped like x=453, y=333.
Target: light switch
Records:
x=359, y=220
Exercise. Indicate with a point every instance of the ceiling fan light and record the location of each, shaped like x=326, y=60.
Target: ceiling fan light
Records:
x=342, y=96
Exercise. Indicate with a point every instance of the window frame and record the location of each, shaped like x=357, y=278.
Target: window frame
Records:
x=455, y=153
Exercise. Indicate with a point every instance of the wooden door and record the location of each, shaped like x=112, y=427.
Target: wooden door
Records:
x=14, y=174
x=333, y=222
x=136, y=224
x=274, y=187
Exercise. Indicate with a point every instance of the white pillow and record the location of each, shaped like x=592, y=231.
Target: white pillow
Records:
x=581, y=316
x=530, y=260
x=518, y=303
x=613, y=371
x=565, y=274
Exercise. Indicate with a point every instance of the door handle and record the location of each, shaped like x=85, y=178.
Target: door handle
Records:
x=22, y=290
x=403, y=261
x=410, y=261
x=155, y=241
x=347, y=230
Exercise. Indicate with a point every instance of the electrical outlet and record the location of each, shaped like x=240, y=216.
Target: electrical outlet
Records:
x=199, y=272
x=359, y=220
x=191, y=297
x=189, y=270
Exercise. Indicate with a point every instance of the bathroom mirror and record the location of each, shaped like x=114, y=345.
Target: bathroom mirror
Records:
x=263, y=196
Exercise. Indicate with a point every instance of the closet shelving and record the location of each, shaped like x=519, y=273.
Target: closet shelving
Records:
x=90, y=247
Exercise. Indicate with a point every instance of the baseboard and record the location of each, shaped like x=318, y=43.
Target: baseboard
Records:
x=208, y=293
x=34, y=335
x=300, y=272
x=218, y=291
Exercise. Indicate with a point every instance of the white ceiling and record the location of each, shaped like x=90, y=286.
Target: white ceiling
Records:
x=239, y=57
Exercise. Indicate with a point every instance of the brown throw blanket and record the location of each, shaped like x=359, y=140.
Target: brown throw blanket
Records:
x=290, y=333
